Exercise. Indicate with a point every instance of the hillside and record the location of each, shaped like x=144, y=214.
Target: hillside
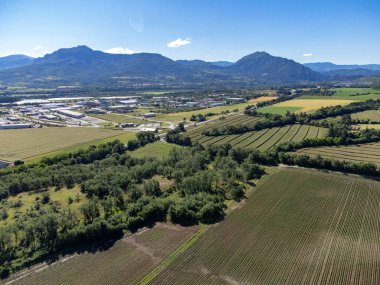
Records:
x=13, y=61
x=84, y=66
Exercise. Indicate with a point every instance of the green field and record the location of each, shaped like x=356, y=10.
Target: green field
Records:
x=262, y=140
x=364, y=153
x=158, y=150
x=118, y=118
x=298, y=227
x=32, y=144
x=356, y=94
x=27, y=200
x=125, y=262
x=176, y=117
x=371, y=115
x=280, y=110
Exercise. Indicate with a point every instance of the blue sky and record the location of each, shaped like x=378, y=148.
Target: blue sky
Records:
x=341, y=31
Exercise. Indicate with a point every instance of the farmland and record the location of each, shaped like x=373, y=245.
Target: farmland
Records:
x=370, y=115
x=304, y=105
x=176, y=117
x=365, y=153
x=118, y=119
x=125, y=262
x=356, y=94
x=158, y=150
x=299, y=227
x=262, y=140
x=31, y=144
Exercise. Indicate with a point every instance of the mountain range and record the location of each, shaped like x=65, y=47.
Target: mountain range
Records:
x=83, y=66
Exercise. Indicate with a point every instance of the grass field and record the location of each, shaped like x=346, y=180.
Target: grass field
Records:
x=371, y=115
x=367, y=126
x=262, y=140
x=279, y=110
x=27, y=200
x=356, y=153
x=298, y=227
x=176, y=117
x=158, y=150
x=118, y=118
x=32, y=144
x=303, y=105
x=357, y=94
x=125, y=262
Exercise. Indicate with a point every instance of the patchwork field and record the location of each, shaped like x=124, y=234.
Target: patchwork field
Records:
x=356, y=153
x=31, y=144
x=176, y=117
x=371, y=115
x=303, y=105
x=125, y=262
x=356, y=94
x=262, y=140
x=298, y=227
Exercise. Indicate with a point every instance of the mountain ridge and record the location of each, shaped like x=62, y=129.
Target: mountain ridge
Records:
x=83, y=65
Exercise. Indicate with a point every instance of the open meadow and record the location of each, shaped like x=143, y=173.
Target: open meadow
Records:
x=364, y=153
x=157, y=150
x=31, y=144
x=298, y=227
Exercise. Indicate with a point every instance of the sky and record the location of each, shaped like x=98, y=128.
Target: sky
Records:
x=343, y=32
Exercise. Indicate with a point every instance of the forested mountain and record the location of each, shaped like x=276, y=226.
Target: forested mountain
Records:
x=13, y=61
x=274, y=69
x=82, y=65
x=328, y=66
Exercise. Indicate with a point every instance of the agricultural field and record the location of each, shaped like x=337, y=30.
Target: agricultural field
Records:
x=279, y=110
x=303, y=105
x=371, y=115
x=177, y=117
x=32, y=144
x=125, y=262
x=262, y=140
x=356, y=94
x=157, y=150
x=118, y=119
x=298, y=227
x=365, y=153
x=367, y=126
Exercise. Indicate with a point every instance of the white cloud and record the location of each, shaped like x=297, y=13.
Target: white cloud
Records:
x=179, y=42
x=307, y=54
x=38, y=47
x=119, y=50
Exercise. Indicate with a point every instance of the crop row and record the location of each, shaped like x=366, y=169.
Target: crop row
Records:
x=299, y=227
x=371, y=115
x=266, y=138
x=356, y=153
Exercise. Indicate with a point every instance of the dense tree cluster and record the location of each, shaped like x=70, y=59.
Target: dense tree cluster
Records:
x=174, y=136
x=120, y=192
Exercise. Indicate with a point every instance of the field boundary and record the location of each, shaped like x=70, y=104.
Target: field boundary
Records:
x=182, y=248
